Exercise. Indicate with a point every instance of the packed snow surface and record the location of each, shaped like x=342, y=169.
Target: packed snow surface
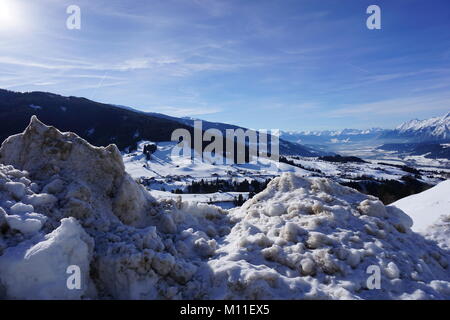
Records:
x=425, y=208
x=64, y=202
x=440, y=232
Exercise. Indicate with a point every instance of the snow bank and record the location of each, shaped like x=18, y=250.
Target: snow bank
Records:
x=425, y=208
x=315, y=239
x=440, y=232
x=125, y=243
x=38, y=270
x=96, y=175
x=64, y=202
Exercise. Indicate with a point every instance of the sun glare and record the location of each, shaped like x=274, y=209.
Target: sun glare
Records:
x=10, y=17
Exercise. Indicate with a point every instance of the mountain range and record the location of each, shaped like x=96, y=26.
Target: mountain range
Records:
x=435, y=129
x=103, y=124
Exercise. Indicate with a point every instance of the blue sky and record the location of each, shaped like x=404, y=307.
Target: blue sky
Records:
x=291, y=64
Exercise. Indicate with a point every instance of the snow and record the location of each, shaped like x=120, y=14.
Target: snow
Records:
x=20, y=208
x=442, y=164
x=25, y=224
x=164, y=173
x=16, y=211
x=440, y=232
x=17, y=189
x=351, y=170
x=166, y=161
x=40, y=268
x=222, y=199
x=333, y=133
x=300, y=238
x=321, y=246
x=426, y=207
x=437, y=127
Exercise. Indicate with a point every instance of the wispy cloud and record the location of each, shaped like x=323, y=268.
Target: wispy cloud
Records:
x=396, y=106
x=410, y=74
x=299, y=61
x=184, y=111
x=127, y=65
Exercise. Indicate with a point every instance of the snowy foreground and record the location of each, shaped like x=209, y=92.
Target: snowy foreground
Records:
x=430, y=211
x=64, y=202
x=427, y=207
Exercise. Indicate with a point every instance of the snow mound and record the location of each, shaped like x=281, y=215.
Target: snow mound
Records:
x=40, y=268
x=50, y=154
x=65, y=203
x=425, y=208
x=440, y=232
x=315, y=239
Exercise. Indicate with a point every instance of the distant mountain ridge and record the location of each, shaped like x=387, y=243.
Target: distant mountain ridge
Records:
x=102, y=124
x=286, y=147
x=436, y=129
x=333, y=133
x=330, y=137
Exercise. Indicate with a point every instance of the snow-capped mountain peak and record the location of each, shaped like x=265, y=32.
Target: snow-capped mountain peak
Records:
x=408, y=124
x=333, y=133
x=433, y=128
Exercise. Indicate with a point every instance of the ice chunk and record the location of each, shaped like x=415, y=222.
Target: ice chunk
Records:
x=39, y=271
x=23, y=224
x=17, y=189
x=20, y=208
x=42, y=199
x=374, y=208
x=276, y=209
x=392, y=270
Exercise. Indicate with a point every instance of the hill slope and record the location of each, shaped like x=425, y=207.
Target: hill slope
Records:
x=426, y=207
x=99, y=123
x=287, y=147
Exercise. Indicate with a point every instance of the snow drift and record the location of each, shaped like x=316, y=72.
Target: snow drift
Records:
x=313, y=238
x=427, y=207
x=430, y=211
x=64, y=202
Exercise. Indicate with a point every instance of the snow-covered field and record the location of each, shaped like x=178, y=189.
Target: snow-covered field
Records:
x=66, y=205
x=165, y=165
x=165, y=173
